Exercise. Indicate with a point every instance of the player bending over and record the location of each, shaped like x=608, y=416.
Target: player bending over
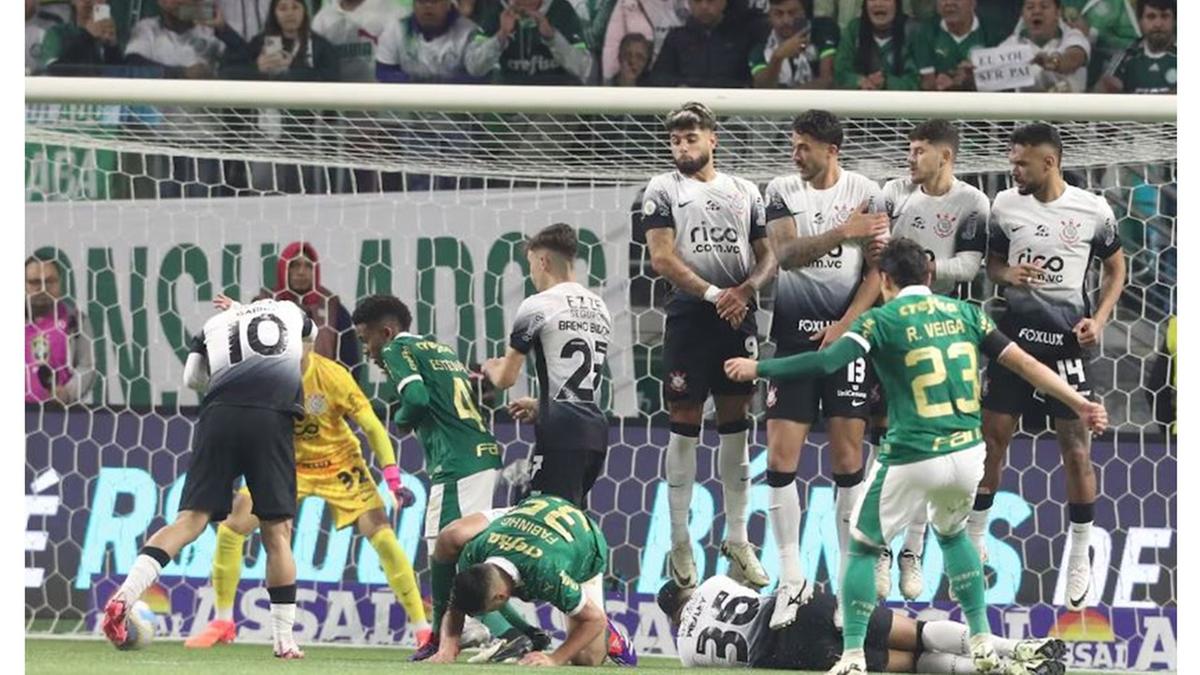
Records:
x=546, y=549
x=461, y=455
x=248, y=359
x=329, y=465
x=724, y=624
x=925, y=349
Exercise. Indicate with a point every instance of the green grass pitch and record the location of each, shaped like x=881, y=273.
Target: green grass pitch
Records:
x=73, y=656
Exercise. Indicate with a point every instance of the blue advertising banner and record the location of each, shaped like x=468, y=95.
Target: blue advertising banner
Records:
x=98, y=480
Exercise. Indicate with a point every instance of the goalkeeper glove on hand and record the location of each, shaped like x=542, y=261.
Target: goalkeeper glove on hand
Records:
x=404, y=496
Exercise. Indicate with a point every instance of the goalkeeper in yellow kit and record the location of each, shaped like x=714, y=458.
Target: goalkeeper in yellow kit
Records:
x=329, y=465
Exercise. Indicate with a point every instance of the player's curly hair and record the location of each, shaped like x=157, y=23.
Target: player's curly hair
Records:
x=905, y=262
x=821, y=125
x=471, y=589
x=691, y=115
x=375, y=308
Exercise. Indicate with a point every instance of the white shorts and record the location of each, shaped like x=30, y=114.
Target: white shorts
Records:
x=897, y=493
x=450, y=501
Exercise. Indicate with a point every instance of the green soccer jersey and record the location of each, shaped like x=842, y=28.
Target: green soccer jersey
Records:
x=552, y=545
x=457, y=443
x=936, y=50
x=925, y=350
x=1144, y=72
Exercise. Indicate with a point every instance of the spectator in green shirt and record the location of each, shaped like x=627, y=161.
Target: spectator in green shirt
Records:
x=798, y=53
x=530, y=42
x=874, y=52
x=1149, y=66
x=1110, y=25
x=942, y=48
x=84, y=46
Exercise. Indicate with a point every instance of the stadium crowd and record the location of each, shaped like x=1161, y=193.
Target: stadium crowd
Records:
x=1077, y=45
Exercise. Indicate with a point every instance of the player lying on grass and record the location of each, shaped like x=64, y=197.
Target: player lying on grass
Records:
x=462, y=457
x=723, y=623
x=543, y=549
x=329, y=465
x=925, y=349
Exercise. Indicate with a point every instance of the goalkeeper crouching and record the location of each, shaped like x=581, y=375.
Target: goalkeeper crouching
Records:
x=329, y=465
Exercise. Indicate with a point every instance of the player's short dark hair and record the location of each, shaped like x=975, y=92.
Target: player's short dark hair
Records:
x=936, y=131
x=905, y=262
x=780, y=2
x=670, y=597
x=1038, y=133
x=559, y=238
x=691, y=115
x=471, y=589
x=821, y=125
x=375, y=308
x=1161, y=5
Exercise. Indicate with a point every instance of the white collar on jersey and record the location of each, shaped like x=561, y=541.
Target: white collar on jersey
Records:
x=914, y=290
x=506, y=565
x=406, y=334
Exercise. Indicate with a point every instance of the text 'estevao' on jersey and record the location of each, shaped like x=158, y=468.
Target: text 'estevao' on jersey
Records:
x=1061, y=238
x=253, y=354
x=715, y=223
x=568, y=328
x=810, y=298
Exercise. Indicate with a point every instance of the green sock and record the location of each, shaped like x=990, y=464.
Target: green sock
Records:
x=858, y=599
x=498, y=625
x=443, y=582
x=966, y=578
x=514, y=617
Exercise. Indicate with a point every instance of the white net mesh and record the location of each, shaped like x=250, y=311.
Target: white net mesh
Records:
x=430, y=207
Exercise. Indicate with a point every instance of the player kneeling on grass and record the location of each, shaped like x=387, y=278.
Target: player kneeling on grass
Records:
x=546, y=549
x=329, y=465
x=925, y=349
x=722, y=623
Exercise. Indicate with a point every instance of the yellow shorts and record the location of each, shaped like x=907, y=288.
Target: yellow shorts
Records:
x=343, y=481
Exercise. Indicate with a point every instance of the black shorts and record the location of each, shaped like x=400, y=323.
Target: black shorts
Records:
x=567, y=474
x=846, y=393
x=234, y=441
x=1006, y=392
x=813, y=641
x=695, y=347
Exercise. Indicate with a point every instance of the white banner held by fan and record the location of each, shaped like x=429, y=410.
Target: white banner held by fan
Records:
x=1003, y=68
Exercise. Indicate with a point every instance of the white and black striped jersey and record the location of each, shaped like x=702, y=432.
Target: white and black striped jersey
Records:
x=944, y=225
x=1061, y=237
x=810, y=298
x=715, y=223
x=253, y=353
x=567, y=327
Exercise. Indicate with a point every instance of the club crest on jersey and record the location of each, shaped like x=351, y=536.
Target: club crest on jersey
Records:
x=677, y=381
x=315, y=404
x=1069, y=231
x=772, y=396
x=944, y=226
x=841, y=213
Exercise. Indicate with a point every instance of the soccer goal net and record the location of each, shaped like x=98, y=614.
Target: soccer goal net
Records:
x=153, y=196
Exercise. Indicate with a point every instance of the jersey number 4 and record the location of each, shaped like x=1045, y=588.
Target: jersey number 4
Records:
x=586, y=377
x=254, y=339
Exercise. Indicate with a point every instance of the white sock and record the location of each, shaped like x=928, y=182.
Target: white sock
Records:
x=947, y=637
x=144, y=572
x=225, y=613
x=936, y=662
x=733, y=462
x=1081, y=533
x=847, y=497
x=681, y=476
x=421, y=625
x=977, y=525
x=915, y=541
x=283, y=618
x=784, y=515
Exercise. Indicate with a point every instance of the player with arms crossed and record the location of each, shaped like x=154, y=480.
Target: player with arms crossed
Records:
x=248, y=359
x=722, y=624
x=461, y=456
x=1043, y=237
x=948, y=218
x=567, y=327
x=546, y=549
x=925, y=348
x=329, y=465
x=819, y=222
x=707, y=236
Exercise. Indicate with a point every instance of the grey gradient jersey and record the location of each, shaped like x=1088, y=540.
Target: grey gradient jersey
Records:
x=723, y=624
x=253, y=354
x=810, y=298
x=715, y=223
x=1061, y=237
x=943, y=226
x=568, y=328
